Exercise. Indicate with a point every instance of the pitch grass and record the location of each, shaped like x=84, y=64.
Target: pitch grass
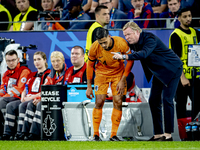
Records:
x=105, y=145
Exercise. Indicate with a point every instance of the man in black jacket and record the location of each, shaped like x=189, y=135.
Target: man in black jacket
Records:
x=165, y=67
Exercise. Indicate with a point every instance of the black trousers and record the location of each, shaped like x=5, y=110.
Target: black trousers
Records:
x=182, y=96
x=162, y=96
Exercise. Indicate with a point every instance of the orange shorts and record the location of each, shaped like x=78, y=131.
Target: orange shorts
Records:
x=101, y=85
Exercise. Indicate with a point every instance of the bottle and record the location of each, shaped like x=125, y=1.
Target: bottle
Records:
x=188, y=128
x=194, y=131
x=103, y=128
x=26, y=87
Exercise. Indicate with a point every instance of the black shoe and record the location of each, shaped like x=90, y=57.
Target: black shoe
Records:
x=26, y=138
x=170, y=139
x=96, y=138
x=7, y=137
x=32, y=137
x=19, y=136
x=115, y=138
x=157, y=139
x=163, y=138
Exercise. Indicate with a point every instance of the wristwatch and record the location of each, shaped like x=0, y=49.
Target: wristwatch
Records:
x=124, y=57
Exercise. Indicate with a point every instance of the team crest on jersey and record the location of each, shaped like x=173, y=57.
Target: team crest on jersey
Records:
x=96, y=88
x=23, y=80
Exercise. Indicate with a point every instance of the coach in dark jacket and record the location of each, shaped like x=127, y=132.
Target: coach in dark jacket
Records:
x=165, y=67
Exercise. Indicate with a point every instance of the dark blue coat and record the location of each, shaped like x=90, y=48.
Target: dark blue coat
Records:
x=156, y=58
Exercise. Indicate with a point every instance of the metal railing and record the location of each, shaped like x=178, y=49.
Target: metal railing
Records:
x=169, y=25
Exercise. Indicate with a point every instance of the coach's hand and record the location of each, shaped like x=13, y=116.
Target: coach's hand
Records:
x=116, y=55
x=89, y=93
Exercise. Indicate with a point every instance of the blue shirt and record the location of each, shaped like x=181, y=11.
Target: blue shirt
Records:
x=65, y=11
x=156, y=2
x=80, y=25
x=117, y=14
x=84, y=2
x=169, y=15
x=125, y=5
x=186, y=3
x=147, y=13
x=45, y=25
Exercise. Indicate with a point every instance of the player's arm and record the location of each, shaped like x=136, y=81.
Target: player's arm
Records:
x=90, y=67
x=121, y=84
x=129, y=65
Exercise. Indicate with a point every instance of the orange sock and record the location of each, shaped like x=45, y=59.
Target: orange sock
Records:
x=116, y=118
x=97, y=115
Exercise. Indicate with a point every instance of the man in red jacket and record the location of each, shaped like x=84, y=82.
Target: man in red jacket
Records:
x=13, y=82
x=77, y=72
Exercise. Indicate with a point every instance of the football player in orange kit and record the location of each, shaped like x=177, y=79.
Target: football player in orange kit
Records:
x=107, y=70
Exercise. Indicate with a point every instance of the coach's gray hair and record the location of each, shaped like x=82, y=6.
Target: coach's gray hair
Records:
x=133, y=26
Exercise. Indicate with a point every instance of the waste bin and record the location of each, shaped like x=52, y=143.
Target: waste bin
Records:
x=52, y=97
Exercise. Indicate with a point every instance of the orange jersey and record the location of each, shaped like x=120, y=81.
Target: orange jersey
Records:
x=107, y=66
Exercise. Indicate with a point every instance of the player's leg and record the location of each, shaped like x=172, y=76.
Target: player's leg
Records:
x=116, y=116
x=117, y=109
x=97, y=113
x=101, y=86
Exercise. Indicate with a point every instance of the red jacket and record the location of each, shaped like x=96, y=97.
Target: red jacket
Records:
x=35, y=81
x=53, y=79
x=13, y=81
x=76, y=78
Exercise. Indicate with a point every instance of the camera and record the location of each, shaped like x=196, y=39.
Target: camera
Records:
x=54, y=14
x=3, y=43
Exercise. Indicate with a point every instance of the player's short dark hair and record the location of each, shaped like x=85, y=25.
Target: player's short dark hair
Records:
x=101, y=33
x=11, y=52
x=180, y=11
x=99, y=8
x=79, y=47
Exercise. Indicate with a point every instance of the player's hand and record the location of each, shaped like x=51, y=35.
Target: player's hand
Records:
x=116, y=55
x=120, y=87
x=89, y=93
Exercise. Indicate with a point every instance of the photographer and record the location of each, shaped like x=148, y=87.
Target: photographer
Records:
x=49, y=14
